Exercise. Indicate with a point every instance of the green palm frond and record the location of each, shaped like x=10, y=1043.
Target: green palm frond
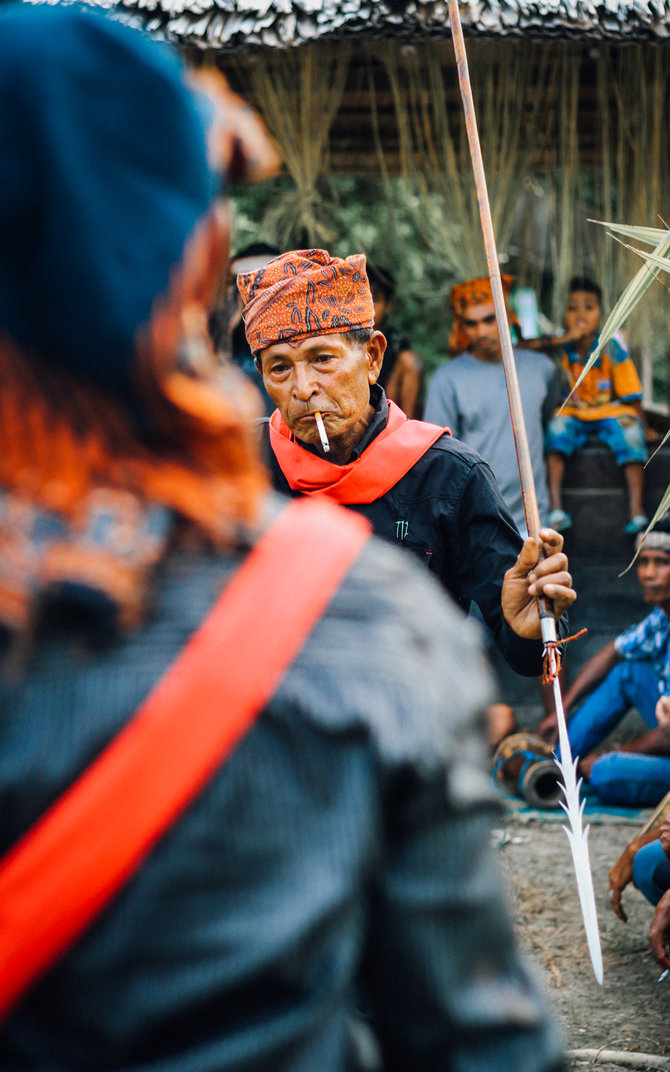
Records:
x=662, y=509
x=665, y=439
x=640, y=282
x=651, y=258
x=651, y=235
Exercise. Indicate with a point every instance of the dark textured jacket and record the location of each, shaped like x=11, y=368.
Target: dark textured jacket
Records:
x=449, y=512
x=344, y=843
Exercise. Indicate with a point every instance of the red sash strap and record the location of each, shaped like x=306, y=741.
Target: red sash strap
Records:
x=64, y=871
x=381, y=465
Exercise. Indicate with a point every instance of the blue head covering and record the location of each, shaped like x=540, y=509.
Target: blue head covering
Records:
x=103, y=175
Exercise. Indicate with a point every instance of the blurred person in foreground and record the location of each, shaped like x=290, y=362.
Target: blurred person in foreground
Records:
x=309, y=319
x=343, y=846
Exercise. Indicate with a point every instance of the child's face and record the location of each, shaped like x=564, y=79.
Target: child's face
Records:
x=481, y=330
x=582, y=315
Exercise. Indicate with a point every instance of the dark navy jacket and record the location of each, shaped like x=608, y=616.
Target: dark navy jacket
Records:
x=449, y=512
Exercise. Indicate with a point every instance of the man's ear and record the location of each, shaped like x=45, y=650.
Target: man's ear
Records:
x=375, y=350
x=258, y=363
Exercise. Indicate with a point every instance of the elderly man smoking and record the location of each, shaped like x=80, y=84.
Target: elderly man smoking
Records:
x=310, y=324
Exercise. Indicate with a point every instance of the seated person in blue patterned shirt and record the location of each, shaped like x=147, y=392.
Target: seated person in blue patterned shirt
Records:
x=632, y=671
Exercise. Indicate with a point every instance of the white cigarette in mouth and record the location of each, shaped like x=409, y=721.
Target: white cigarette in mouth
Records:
x=322, y=432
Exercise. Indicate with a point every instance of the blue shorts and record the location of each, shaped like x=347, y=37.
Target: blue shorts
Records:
x=623, y=435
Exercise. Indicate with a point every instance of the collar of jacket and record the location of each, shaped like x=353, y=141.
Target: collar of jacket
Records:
x=390, y=455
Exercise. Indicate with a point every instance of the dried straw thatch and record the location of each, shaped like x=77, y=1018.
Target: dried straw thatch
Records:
x=299, y=95
x=244, y=24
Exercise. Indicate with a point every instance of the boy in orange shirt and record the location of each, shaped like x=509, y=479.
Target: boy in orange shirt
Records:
x=606, y=404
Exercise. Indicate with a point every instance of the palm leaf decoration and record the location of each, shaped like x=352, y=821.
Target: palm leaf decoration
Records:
x=655, y=262
x=652, y=258
x=662, y=509
x=651, y=236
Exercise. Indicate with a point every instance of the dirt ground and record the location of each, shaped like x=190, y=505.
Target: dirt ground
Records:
x=631, y=1010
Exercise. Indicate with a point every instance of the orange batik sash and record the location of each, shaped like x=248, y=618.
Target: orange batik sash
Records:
x=381, y=465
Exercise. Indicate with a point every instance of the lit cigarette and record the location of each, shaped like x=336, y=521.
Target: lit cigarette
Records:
x=322, y=432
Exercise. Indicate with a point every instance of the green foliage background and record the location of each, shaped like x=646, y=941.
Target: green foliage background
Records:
x=362, y=216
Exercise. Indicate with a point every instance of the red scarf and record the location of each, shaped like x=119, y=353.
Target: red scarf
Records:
x=381, y=465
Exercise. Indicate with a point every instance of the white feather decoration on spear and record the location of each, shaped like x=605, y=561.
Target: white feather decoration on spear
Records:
x=574, y=809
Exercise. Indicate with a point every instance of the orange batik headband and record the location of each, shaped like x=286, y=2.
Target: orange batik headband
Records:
x=474, y=292
x=302, y=294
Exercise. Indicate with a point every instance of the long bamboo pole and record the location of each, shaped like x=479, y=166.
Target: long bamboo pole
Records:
x=577, y=836
x=509, y=366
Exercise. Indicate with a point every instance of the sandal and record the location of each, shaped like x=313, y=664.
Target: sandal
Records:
x=559, y=520
x=636, y=524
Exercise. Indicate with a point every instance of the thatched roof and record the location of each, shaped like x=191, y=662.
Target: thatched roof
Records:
x=245, y=24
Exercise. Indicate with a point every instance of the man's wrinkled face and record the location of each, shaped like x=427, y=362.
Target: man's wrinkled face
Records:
x=653, y=573
x=328, y=374
x=582, y=314
x=480, y=327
